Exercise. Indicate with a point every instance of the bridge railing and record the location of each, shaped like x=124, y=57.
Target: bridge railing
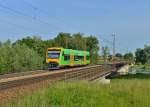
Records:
x=87, y=73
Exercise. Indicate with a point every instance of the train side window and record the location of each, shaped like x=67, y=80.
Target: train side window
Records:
x=76, y=58
x=81, y=58
x=66, y=57
x=87, y=57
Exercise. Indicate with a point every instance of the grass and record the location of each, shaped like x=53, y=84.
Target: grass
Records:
x=122, y=92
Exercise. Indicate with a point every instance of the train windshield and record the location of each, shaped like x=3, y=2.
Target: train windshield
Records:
x=53, y=54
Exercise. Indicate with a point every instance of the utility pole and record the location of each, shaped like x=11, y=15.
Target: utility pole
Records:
x=114, y=46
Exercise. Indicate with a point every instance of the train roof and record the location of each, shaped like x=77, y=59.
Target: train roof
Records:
x=76, y=52
x=68, y=51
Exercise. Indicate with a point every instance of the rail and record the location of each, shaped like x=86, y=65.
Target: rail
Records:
x=82, y=73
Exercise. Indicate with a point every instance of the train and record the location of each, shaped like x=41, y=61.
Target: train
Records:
x=57, y=58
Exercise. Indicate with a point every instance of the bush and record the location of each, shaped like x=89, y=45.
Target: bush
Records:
x=16, y=58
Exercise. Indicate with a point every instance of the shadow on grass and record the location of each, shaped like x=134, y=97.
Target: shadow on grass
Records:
x=130, y=76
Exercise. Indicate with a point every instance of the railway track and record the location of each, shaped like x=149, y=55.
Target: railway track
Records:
x=10, y=75
x=88, y=72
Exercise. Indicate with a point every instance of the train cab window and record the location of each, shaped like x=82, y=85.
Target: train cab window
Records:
x=53, y=54
x=66, y=57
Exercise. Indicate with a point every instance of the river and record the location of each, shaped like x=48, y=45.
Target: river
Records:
x=139, y=71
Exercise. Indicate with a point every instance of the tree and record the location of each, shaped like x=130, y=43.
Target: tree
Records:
x=147, y=54
x=37, y=44
x=16, y=58
x=119, y=55
x=106, y=52
x=143, y=55
x=92, y=46
x=6, y=57
x=62, y=40
x=129, y=56
x=79, y=41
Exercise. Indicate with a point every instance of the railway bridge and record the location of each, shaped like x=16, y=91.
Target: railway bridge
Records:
x=88, y=73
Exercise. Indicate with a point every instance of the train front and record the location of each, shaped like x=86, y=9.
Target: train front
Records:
x=53, y=58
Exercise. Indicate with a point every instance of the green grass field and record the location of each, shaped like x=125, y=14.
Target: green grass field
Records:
x=122, y=92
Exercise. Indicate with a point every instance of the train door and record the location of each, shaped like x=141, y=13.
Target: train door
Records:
x=71, y=57
x=84, y=57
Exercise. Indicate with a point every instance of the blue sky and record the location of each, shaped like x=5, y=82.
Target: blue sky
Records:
x=128, y=19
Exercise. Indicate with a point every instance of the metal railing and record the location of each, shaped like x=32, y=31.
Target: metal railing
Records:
x=87, y=73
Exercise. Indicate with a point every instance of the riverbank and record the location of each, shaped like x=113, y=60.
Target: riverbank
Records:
x=140, y=66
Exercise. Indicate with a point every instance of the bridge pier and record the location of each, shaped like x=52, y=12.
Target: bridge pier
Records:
x=102, y=80
x=123, y=70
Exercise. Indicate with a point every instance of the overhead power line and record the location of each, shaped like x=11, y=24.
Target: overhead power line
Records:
x=36, y=8
x=109, y=42
x=18, y=27
x=25, y=15
x=105, y=40
x=14, y=24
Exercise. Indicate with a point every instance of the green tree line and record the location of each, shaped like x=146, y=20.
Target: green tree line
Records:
x=118, y=56
x=143, y=55
x=29, y=53
x=16, y=58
